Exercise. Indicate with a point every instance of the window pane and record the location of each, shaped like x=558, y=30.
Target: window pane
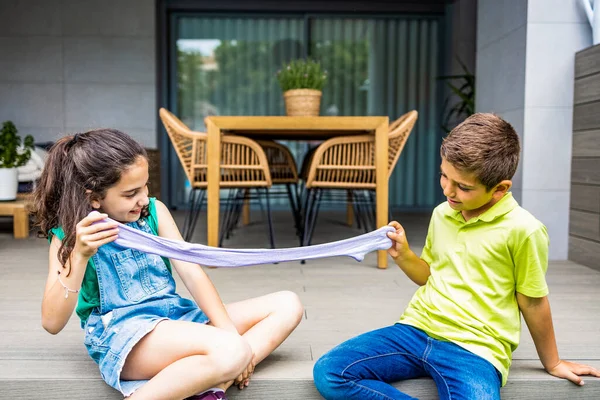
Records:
x=387, y=67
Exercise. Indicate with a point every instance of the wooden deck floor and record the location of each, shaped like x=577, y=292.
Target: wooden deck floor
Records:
x=342, y=298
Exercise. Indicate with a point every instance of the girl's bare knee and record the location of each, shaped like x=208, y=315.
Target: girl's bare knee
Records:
x=289, y=303
x=231, y=357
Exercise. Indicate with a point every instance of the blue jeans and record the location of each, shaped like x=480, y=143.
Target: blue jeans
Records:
x=361, y=368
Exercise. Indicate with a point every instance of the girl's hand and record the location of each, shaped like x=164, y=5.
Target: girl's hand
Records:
x=91, y=234
x=244, y=379
x=399, y=243
x=573, y=371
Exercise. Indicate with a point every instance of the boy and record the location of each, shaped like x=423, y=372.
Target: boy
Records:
x=484, y=260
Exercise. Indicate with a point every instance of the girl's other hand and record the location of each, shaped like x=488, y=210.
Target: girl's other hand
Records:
x=91, y=234
x=399, y=242
x=244, y=379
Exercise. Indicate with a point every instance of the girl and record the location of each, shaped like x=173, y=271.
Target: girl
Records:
x=149, y=342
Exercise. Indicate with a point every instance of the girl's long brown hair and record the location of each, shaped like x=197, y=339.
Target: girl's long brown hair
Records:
x=91, y=161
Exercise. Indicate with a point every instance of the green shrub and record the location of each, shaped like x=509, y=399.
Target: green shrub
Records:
x=12, y=153
x=301, y=74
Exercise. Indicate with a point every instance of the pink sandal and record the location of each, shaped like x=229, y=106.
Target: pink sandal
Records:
x=211, y=394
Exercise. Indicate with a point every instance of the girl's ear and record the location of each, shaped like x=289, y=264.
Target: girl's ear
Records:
x=92, y=198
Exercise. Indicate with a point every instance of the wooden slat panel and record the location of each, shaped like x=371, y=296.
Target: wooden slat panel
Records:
x=586, y=116
x=586, y=143
x=585, y=252
x=587, y=61
x=586, y=170
x=585, y=224
x=585, y=198
x=587, y=89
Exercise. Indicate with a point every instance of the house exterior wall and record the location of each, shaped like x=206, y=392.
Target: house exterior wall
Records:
x=525, y=71
x=71, y=65
x=584, y=224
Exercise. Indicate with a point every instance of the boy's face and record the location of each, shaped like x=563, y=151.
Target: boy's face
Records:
x=465, y=193
x=124, y=201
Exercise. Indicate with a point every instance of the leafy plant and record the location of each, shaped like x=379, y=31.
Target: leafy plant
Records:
x=12, y=153
x=301, y=74
x=462, y=98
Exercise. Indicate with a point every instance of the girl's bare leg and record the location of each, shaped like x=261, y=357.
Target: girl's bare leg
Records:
x=266, y=321
x=184, y=358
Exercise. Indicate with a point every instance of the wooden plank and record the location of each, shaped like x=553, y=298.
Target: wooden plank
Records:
x=586, y=143
x=584, y=252
x=278, y=124
x=585, y=224
x=586, y=116
x=586, y=170
x=587, y=89
x=585, y=198
x=587, y=61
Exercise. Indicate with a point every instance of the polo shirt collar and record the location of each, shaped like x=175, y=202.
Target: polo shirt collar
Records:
x=506, y=204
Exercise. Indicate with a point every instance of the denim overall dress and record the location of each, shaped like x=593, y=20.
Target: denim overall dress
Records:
x=136, y=292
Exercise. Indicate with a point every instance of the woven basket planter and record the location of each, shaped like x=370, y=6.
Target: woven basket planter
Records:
x=302, y=102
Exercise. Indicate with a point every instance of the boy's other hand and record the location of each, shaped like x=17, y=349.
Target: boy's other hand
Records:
x=399, y=241
x=573, y=371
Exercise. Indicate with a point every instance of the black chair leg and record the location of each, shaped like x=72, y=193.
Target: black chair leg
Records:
x=270, y=221
x=195, y=200
x=225, y=219
x=294, y=205
x=308, y=204
x=362, y=212
x=315, y=214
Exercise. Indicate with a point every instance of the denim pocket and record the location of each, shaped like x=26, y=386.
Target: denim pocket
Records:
x=139, y=278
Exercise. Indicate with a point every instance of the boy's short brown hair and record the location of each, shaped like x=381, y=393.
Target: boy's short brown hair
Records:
x=484, y=145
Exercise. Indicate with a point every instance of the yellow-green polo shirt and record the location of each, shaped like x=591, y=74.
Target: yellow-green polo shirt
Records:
x=476, y=269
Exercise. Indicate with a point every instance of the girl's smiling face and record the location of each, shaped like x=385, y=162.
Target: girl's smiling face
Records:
x=124, y=201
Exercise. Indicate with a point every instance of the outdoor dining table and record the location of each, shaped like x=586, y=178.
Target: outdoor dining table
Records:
x=296, y=128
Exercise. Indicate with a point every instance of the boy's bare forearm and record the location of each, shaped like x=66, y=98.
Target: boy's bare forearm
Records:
x=538, y=317
x=414, y=267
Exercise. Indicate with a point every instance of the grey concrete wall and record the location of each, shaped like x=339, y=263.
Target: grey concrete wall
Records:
x=72, y=65
x=525, y=65
x=500, y=77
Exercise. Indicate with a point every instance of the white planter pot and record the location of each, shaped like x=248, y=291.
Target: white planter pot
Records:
x=8, y=184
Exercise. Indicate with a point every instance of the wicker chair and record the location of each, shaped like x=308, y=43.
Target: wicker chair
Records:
x=348, y=163
x=284, y=172
x=243, y=166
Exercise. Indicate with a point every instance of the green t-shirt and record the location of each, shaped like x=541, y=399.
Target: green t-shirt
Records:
x=476, y=269
x=89, y=294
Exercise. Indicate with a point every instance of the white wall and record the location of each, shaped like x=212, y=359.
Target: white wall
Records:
x=72, y=65
x=525, y=64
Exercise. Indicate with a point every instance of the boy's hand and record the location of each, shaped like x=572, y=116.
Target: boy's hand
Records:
x=399, y=243
x=573, y=371
x=91, y=234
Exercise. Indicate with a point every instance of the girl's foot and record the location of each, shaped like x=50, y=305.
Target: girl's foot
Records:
x=211, y=394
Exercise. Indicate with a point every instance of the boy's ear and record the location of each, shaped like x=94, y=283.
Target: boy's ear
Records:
x=503, y=187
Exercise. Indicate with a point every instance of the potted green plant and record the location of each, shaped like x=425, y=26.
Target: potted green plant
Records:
x=460, y=103
x=301, y=82
x=13, y=154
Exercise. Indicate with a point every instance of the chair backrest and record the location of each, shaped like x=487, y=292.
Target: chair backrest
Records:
x=243, y=161
x=400, y=130
x=187, y=144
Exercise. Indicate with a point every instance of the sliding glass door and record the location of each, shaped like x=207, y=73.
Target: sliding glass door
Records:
x=226, y=65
